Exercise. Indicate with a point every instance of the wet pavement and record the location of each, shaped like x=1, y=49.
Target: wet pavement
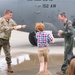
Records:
x=24, y=56
x=28, y=64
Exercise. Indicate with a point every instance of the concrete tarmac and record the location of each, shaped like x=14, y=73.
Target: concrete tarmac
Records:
x=25, y=59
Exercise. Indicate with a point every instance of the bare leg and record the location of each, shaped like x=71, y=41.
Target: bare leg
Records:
x=41, y=66
x=45, y=66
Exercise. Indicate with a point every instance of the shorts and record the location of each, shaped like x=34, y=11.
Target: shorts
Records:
x=43, y=54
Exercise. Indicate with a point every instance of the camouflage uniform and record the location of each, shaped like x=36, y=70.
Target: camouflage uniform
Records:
x=68, y=36
x=6, y=26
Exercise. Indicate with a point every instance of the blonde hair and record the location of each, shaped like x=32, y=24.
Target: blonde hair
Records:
x=71, y=68
x=39, y=26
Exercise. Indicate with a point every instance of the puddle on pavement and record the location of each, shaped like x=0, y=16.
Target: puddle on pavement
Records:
x=27, y=62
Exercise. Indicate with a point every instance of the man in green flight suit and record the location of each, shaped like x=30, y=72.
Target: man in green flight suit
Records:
x=7, y=24
x=67, y=33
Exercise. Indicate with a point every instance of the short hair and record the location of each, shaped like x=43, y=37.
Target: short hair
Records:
x=63, y=14
x=7, y=12
x=40, y=26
